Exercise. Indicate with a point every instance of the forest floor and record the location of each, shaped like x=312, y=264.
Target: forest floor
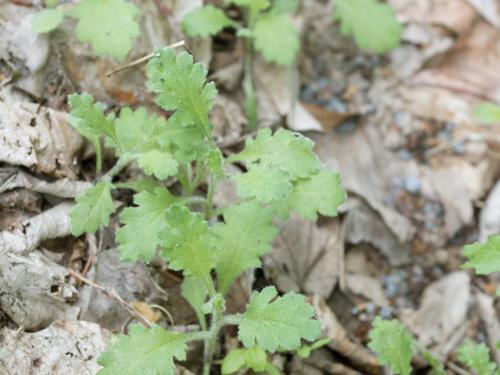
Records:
x=420, y=171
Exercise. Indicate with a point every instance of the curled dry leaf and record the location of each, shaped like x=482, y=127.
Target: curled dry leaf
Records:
x=38, y=138
x=306, y=257
x=14, y=178
x=66, y=347
x=53, y=223
x=33, y=290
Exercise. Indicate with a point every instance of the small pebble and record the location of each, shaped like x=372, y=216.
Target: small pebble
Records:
x=412, y=184
x=370, y=308
x=385, y=312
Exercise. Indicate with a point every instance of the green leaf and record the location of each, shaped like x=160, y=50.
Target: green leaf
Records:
x=204, y=21
x=373, y=24
x=276, y=38
x=47, y=20
x=484, y=258
x=89, y=120
x=305, y=350
x=137, y=133
x=292, y=152
x=160, y=164
x=144, y=351
x=487, y=113
x=254, y=358
x=195, y=292
x=92, y=209
x=393, y=344
x=477, y=357
x=215, y=163
x=255, y=5
x=139, y=237
x=321, y=193
x=144, y=184
x=180, y=85
x=185, y=141
x=434, y=363
x=279, y=324
x=264, y=182
x=109, y=26
x=188, y=244
x=243, y=239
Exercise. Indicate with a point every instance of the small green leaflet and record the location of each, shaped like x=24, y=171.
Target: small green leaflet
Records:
x=142, y=137
x=188, y=244
x=484, y=258
x=47, y=20
x=254, y=358
x=89, y=120
x=290, y=151
x=139, y=237
x=277, y=324
x=204, y=21
x=109, y=26
x=487, y=113
x=276, y=38
x=92, y=209
x=243, y=239
x=159, y=164
x=373, y=24
x=144, y=351
x=265, y=183
x=195, y=292
x=305, y=350
x=477, y=357
x=180, y=85
x=322, y=193
x=393, y=344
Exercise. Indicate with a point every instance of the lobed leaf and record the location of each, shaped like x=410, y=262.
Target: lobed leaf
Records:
x=188, y=244
x=322, y=193
x=264, y=182
x=484, y=258
x=195, y=292
x=243, y=239
x=144, y=351
x=89, y=120
x=393, y=344
x=157, y=163
x=139, y=237
x=291, y=152
x=180, y=85
x=254, y=358
x=278, y=324
x=477, y=357
x=276, y=38
x=108, y=25
x=92, y=209
x=47, y=20
x=205, y=21
x=372, y=24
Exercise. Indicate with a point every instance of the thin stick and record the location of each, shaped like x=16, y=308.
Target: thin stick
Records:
x=142, y=59
x=111, y=293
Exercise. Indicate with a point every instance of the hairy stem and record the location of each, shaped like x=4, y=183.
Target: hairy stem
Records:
x=211, y=342
x=122, y=162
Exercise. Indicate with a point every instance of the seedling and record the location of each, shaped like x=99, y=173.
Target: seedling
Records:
x=281, y=175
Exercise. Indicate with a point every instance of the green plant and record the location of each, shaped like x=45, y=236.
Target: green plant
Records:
x=281, y=175
x=268, y=29
x=477, y=357
x=108, y=25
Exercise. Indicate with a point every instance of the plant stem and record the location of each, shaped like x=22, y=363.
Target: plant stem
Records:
x=182, y=176
x=248, y=87
x=210, y=196
x=211, y=342
x=122, y=162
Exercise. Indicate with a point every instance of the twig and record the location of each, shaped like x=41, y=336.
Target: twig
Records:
x=111, y=293
x=457, y=368
x=142, y=59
